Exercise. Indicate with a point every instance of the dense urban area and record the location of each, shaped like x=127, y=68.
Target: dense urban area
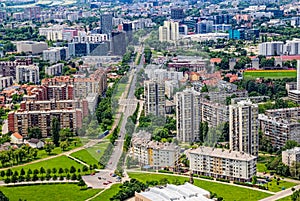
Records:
x=154, y=100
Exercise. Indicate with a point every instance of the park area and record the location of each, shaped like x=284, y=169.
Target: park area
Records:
x=91, y=155
x=222, y=190
x=48, y=192
x=269, y=74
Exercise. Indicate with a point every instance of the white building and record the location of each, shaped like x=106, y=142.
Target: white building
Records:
x=222, y=163
x=26, y=74
x=243, y=127
x=162, y=74
x=188, y=116
x=55, y=54
x=16, y=138
x=154, y=93
x=53, y=33
x=6, y=82
x=270, y=48
x=54, y=70
x=92, y=100
x=32, y=47
x=85, y=37
x=291, y=156
x=185, y=192
x=292, y=47
x=155, y=154
x=169, y=31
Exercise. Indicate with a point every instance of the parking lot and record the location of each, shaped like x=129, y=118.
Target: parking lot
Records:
x=101, y=180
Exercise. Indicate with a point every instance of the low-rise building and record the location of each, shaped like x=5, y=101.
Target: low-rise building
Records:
x=31, y=47
x=291, y=156
x=56, y=54
x=185, y=192
x=155, y=154
x=54, y=70
x=221, y=163
x=16, y=138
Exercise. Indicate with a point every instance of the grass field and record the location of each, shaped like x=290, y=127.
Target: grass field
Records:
x=261, y=163
x=108, y=193
x=272, y=186
x=57, y=150
x=62, y=192
x=228, y=192
x=119, y=90
x=272, y=74
x=59, y=162
x=91, y=155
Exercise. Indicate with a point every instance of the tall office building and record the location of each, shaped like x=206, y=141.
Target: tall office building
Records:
x=106, y=23
x=169, y=32
x=155, y=102
x=177, y=13
x=188, y=115
x=243, y=127
x=118, y=43
x=205, y=26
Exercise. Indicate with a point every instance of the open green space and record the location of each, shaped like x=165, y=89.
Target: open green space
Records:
x=108, y=193
x=228, y=192
x=59, y=162
x=66, y=192
x=261, y=163
x=91, y=155
x=119, y=90
x=282, y=185
x=250, y=75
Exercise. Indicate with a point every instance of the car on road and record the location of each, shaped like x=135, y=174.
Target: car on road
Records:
x=99, y=178
x=109, y=182
x=105, y=183
x=93, y=173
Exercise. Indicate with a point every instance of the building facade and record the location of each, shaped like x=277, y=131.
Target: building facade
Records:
x=26, y=74
x=243, y=127
x=188, y=115
x=155, y=102
x=221, y=163
x=169, y=31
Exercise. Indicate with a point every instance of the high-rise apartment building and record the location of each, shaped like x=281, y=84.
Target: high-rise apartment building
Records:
x=294, y=95
x=270, y=48
x=188, y=115
x=169, y=31
x=243, y=127
x=155, y=102
x=27, y=74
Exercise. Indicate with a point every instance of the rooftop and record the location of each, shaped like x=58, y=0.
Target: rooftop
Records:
x=223, y=153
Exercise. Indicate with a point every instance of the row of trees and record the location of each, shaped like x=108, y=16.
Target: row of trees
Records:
x=128, y=188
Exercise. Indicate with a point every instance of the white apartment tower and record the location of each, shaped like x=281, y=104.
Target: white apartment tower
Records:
x=294, y=95
x=243, y=127
x=270, y=48
x=155, y=102
x=169, y=31
x=188, y=115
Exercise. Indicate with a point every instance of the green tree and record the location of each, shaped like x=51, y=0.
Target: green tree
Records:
x=49, y=147
x=55, y=128
x=35, y=132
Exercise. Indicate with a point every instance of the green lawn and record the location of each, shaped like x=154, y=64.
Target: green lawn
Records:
x=59, y=162
x=108, y=193
x=119, y=90
x=57, y=150
x=91, y=155
x=269, y=74
x=61, y=192
x=272, y=186
x=228, y=192
x=261, y=163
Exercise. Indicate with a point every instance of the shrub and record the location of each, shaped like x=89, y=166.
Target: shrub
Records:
x=223, y=180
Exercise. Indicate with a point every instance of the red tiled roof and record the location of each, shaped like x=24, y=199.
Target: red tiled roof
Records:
x=17, y=135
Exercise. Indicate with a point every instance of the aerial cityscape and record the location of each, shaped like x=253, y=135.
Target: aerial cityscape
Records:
x=149, y=100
